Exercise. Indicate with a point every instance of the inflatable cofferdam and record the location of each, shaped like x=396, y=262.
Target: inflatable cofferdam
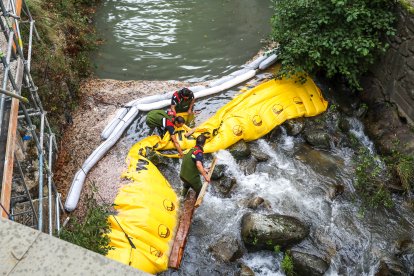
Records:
x=147, y=206
x=249, y=116
x=147, y=212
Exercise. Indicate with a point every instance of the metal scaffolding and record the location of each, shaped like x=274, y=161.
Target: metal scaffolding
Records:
x=18, y=132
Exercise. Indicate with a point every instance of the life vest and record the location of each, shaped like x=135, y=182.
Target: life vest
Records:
x=197, y=151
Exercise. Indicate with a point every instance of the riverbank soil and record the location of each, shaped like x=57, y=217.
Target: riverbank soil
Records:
x=99, y=103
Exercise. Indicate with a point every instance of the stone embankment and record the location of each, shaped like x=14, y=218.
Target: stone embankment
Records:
x=389, y=89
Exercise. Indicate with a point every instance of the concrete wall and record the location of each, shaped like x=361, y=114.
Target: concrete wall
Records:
x=24, y=251
x=392, y=78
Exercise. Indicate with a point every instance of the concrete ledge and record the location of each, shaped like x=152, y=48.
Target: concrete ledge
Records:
x=25, y=251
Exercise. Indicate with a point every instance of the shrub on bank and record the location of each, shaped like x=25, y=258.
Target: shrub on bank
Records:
x=90, y=233
x=60, y=59
x=337, y=37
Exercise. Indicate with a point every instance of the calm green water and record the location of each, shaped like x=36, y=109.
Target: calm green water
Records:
x=191, y=40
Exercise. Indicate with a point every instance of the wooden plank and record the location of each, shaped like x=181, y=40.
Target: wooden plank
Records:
x=204, y=188
x=18, y=6
x=190, y=204
x=180, y=240
x=9, y=158
x=11, y=139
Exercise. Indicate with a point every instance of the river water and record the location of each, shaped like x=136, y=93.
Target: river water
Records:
x=191, y=40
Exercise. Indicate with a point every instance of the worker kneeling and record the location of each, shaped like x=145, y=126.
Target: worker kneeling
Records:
x=192, y=167
x=165, y=123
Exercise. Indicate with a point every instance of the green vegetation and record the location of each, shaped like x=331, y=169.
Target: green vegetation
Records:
x=370, y=180
x=402, y=167
x=60, y=59
x=277, y=249
x=255, y=240
x=405, y=170
x=287, y=265
x=407, y=5
x=91, y=233
x=335, y=37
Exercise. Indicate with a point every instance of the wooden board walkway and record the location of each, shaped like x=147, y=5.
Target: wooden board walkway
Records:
x=190, y=204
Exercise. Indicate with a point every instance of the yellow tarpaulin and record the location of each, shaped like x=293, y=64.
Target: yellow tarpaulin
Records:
x=248, y=116
x=147, y=206
x=147, y=212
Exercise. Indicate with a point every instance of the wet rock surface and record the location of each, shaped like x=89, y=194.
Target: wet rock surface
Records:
x=248, y=165
x=245, y=271
x=240, y=150
x=318, y=138
x=390, y=266
x=255, y=202
x=295, y=126
x=227, y=249
x=335, y=191
x=258, y=153
x=267, y=231
x=219, y=171
x=385, y=127
x=307, y=264
x=224, y=185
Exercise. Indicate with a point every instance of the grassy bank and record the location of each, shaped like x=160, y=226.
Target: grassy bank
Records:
x=60, y=59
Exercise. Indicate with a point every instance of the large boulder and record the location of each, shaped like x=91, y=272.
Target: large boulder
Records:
x=307, y=264
x=240, y=150
x=384, y=126
x=226, y=249
x=267, y=231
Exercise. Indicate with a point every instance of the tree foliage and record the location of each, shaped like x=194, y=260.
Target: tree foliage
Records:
x=340, y=37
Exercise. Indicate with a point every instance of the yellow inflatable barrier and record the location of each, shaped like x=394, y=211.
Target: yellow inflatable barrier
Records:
x=147, y=212
x=147, y=206
x=248, y=116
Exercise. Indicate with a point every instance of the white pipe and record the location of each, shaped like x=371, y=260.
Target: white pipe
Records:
x=124, y=110
x=79, y=179
x=255, y=63
x=220, y=81
x=114, y=122
x=206, y=92
x=267, y=62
